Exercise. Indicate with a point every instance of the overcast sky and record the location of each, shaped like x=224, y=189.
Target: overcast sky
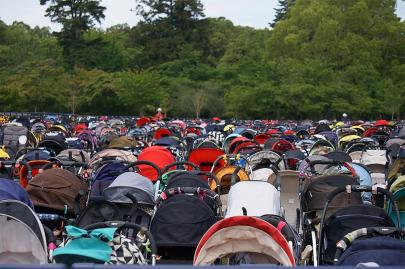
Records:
x=255, y=13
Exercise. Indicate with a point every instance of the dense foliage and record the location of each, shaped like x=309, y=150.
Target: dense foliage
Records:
x=322, y=58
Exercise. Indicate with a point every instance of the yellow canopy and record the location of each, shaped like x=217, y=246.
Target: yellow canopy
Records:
x=398, y=183
x=339, y=123
x=229, y=127
x=3, y=154
x=349, y=138
x=358, y=127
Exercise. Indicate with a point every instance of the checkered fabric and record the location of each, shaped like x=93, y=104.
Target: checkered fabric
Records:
x=125, y=251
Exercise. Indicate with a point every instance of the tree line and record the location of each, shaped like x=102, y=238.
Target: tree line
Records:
x=320, y=58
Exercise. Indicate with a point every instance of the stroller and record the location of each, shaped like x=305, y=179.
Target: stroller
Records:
x=322, y=146
x=30, y=162
x=58, y=195
x=123, y=142
x=228, y=140
x=99, y=158
x=397, y=189
x=379, y=246
x=23, y=238
x=261, y=161
x=54, y=142
x=292, y=158
x=242, y=199
x=129, y=197
x=203, y=142
x=349, y=219
x=74, y=160
x=107, y=243
x=174, y=145
x=88, y=138
x=104, y=176
x=261, y=138
x=205, y=158
x=182, y=216
x=11, y=137
x=230, y=172
x=289, y=194
x=157, y=155
x=313, y=194
x=243, y=239
x=169, y=174
x=376, y=160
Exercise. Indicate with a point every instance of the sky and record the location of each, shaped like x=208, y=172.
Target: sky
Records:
x=254, y=13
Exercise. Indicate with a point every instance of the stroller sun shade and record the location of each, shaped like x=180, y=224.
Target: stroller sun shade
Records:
x=257, y=197
x=56, y=142
x=105, y=175
x=56, y=189
x=249, y=235
x=22, y=236
x=9, y=190
x=130, y=183
x=316, y=191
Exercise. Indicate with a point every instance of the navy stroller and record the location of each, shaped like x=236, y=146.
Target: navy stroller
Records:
x=371, y=247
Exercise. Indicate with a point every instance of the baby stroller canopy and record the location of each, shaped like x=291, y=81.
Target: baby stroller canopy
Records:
x=244, y=234
x=257, y=197
x=130, y=183
x=56, y=189
x=22, y=236
x=10, y=190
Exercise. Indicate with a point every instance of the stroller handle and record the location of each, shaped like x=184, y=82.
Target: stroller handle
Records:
x=210, y=176
x=235, y=178
x=226, y=157
x=60, y=163
x=255, y=147
x=22, y=151
x=154, y=166
x=189, y=164
x=277, y=183
x=354, y=188
x=108, y=160
x=128, y=225
x=29, y=169
x=187, y=190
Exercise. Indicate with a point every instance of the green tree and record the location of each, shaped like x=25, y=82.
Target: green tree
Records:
x=177, y=12
x=282, y=10
x=167, y=26
x=96, y=91
x=355, y=41
x=34, y=86
x=76, y=17
x=141, y=92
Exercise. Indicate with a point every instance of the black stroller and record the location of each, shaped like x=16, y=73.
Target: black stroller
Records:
x=130, y=197
x=183, y=214
x=313, y=195
x=350, y=218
